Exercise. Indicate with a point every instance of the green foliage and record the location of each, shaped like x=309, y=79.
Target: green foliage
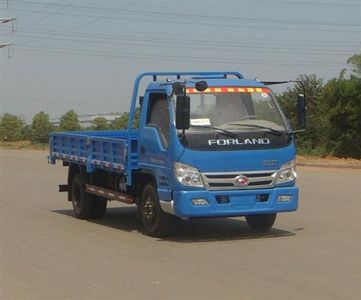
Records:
x=334, y=113
x=343, y=98
x=317, y=123
x=136, y=118
x=120, y=122
x=40, y=128
x=69, y=121
x=11, y=128
x=355, y=63
x=100, y=123
x=318, y=152
x=26, y=132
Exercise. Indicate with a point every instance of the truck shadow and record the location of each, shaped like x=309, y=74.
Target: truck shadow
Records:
x=219, y=229
x=198, y=230
x=123, y=218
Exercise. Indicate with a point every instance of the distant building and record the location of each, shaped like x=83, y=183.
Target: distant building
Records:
x=85, y=120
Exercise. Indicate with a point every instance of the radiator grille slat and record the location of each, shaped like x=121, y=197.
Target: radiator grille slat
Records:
x=227, y=180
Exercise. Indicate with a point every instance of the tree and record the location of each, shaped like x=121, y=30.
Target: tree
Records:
x=69, y=121
x=40, y=128
x=26, y=132
x=343, y=100
x=355, y=63
x=100, y=123
x=120, y=122
x=11, y=128
x=315, y=136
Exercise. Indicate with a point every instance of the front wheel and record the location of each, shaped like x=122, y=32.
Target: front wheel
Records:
x=261, y=222
x=156, y=222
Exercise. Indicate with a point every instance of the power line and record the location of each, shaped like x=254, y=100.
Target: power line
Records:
x=160, y=17
x=258, y=47
x=217, y=25
x=106, y=15
x=62, y=7
x=131, y=38
x=206, y=40
x=188, y=58
x=93, y=20
x=327, y=3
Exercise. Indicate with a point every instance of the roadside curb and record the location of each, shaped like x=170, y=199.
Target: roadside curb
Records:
x=328, y=165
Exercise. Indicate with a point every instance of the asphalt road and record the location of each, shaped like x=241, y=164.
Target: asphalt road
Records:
x=314, y=253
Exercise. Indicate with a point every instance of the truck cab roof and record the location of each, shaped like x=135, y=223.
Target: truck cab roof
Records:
x=161, y=84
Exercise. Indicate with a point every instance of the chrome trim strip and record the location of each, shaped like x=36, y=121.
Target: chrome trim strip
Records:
x=167, y=206
x=236, y=173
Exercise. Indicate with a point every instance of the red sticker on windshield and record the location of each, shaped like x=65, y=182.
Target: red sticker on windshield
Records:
x=228, y=89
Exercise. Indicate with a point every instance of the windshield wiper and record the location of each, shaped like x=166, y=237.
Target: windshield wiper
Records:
x=224, y=131
x=274, y=131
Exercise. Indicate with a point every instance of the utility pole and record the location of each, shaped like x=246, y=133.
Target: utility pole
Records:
x=7, y=3
x=7, y=20
x=7, y=45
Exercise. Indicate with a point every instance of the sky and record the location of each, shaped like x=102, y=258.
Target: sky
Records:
x=85, y=54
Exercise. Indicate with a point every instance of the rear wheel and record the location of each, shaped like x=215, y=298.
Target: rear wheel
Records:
x=156, y=222
x=82, y=202
x=261, y=222
x=99, y=206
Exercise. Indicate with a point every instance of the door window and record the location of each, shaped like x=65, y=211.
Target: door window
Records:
x=158, y=116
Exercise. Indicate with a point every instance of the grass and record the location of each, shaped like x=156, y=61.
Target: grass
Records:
x=315, y=152
x=24, y=145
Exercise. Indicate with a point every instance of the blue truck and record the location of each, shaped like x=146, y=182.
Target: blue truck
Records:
x=198, y=145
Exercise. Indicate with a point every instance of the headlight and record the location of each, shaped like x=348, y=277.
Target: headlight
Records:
x=287, y=172
x=187, y=175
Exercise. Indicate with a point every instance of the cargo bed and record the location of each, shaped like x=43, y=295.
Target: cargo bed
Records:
x=115, y=151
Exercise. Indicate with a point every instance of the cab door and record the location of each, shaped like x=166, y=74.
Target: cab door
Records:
x=155, y=142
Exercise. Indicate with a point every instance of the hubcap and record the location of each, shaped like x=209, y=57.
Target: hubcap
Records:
x=148, y=209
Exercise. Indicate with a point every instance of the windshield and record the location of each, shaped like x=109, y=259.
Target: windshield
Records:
x=236, y=108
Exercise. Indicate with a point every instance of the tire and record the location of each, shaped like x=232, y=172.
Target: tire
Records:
x=99, y=206
x=82, y=202
x=156, y=222
x=263, y=222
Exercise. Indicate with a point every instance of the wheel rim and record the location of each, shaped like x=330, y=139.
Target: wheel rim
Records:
x=149, y=210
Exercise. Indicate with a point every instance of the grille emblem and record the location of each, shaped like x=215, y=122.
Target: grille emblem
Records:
x=270, y=162
x=241, y=180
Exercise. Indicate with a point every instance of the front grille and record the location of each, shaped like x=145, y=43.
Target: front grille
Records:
x=227, y=180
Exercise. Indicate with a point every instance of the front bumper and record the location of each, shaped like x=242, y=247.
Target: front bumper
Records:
x=241, y=202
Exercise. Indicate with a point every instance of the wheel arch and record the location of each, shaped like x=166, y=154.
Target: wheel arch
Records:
x=144, y=177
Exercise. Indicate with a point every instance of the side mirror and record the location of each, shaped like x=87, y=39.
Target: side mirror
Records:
x=301, y=110
x=183, y=106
